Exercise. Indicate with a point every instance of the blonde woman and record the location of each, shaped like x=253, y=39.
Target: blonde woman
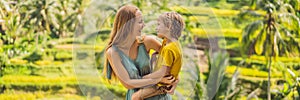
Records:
x=127, y=53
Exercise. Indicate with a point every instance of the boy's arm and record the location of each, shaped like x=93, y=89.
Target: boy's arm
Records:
x=167, y=61
x=158, y=74
x=152, y=43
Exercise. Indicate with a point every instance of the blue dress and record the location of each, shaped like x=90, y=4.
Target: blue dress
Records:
x=136, y=69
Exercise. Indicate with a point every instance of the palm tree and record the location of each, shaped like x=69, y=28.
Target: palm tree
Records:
x=274, y=35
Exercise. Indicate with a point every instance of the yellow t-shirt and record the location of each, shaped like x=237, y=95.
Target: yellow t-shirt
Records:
x=170, y=56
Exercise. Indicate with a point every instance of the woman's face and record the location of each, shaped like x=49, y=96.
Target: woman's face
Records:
x=138, y=24
x=162, y=29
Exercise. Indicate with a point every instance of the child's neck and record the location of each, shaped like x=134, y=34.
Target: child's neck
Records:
x=169, y=40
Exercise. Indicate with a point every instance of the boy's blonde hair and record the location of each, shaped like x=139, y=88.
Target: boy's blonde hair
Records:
x=174, y=22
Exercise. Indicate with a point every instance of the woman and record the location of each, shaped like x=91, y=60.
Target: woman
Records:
x=127, y=53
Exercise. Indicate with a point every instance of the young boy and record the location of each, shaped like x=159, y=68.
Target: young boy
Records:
x=170, y=27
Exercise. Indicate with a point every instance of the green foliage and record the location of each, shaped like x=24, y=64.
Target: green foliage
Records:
x=19, y=69
x=56, y=17
x=57, y=84
x=35, y=56
x=276, y=30
x=35, y=33
x=208, y=33
x=250, y=72
x=199, y=91
x=13, y=96
x=217, y=65
x=63, y=56
x=3, y=62
x=270, y=41
x=26, y=26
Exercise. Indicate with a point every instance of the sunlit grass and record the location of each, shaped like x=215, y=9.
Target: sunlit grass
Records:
x=234, y=33
x=210, y=11
x=250, y=72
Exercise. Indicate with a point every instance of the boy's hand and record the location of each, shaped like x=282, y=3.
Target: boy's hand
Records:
x=168, y=80
x=173, y=87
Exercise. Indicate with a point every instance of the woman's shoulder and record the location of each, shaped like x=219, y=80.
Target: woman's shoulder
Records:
x=110, y=51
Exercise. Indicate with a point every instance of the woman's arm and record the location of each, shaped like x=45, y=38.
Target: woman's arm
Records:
x=122, y=73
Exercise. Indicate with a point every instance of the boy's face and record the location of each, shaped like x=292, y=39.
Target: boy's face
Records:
x=162, y=30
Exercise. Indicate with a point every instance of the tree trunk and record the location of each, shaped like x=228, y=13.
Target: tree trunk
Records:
x=269, y=78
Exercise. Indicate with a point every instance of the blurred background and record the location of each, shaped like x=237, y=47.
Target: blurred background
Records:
x=233, y=49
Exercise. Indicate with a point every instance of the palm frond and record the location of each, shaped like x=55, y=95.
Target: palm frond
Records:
x=253, y=4
x=287, y=8
x=270, y=8
x=289, y=21
x=260, y=42
x=250, y=34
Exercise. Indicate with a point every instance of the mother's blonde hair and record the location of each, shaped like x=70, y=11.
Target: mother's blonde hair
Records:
x=122, y=27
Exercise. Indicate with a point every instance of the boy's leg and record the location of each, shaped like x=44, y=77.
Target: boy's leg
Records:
x=146, y=93
x=135, y=95
x=154, y=91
